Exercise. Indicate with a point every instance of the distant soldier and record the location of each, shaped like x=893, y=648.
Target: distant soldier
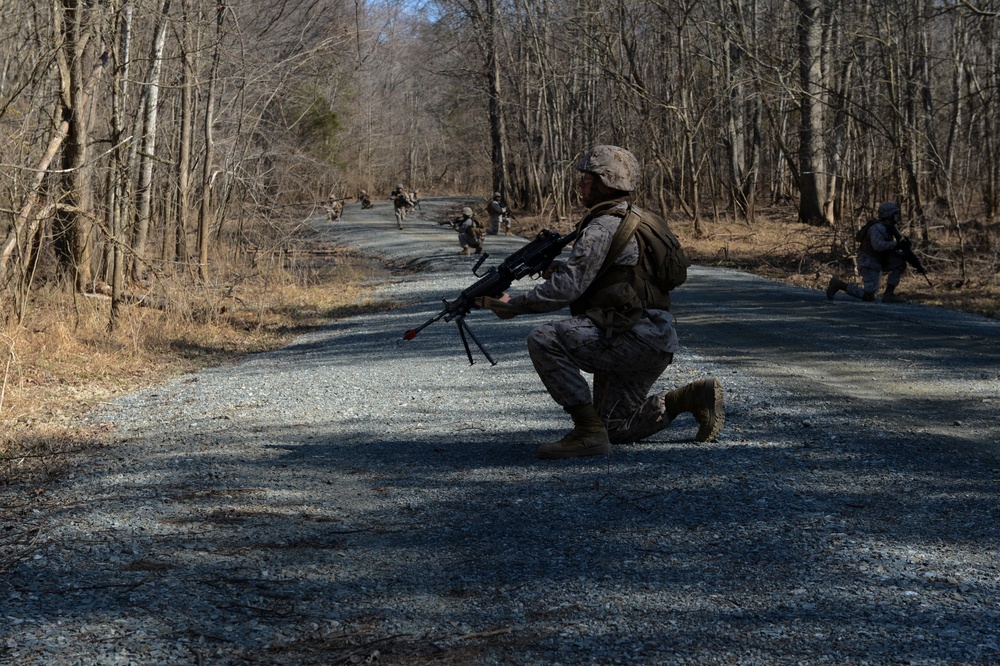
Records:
x=470, y=232
x=366, y=201
x=414, y=203
x=498, y=213
x=334, y=207
x=400, y=202
x=879, y=253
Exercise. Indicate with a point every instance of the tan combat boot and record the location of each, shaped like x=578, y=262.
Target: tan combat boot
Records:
x=703, y=399
x=465, y=250
x=589, y=437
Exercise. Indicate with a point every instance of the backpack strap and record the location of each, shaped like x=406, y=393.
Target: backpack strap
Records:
x=624, y=233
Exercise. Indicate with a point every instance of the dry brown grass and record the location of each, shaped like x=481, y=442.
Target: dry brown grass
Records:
x=62, y=360
x=778, y=247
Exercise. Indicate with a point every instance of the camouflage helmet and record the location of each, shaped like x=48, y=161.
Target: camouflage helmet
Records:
x=887, y=210
x=400, y=187
x=616, y=167
x=467, y=211
x=496, y=195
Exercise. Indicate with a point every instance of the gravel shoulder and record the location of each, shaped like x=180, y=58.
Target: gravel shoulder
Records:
x=349, y=498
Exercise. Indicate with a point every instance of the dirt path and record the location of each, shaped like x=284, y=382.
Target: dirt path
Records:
x=929, y=372
x=350, y=499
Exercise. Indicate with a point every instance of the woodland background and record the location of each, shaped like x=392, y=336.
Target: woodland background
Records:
x=138, y=135
x=158, y=152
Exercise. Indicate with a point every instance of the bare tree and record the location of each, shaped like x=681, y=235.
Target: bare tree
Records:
x=838, y=105
x=76, y=33
x=813, y=186
x=205, y=215
x=150, y=115
x=117, y=171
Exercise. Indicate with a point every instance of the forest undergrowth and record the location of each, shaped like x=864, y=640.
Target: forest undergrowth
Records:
x=963, y=270
x=62, y=361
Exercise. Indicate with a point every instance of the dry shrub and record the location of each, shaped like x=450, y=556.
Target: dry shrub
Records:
x=62, y=360
x=778, y=247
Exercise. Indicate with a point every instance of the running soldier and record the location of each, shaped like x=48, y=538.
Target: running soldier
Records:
x=400, y=202
x=621, y=330
x=880, y=241
x=334, y=207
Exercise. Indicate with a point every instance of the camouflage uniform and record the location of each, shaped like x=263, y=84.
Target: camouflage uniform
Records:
x=625, y=367
x=470, y=234
x=400, y=202
x=334, y=208
x=497, y=214
x=877, y=255
x=625, y=340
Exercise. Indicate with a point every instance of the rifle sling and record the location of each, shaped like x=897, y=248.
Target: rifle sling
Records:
x=621, y=238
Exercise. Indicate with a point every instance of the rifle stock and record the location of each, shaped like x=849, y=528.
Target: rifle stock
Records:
x=532, y=259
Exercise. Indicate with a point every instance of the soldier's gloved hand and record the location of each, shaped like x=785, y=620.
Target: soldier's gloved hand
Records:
x=497, y=305
x=904, y=244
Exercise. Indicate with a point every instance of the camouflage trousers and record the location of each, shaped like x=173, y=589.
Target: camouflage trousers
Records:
x=624, y=370
x=871, y=272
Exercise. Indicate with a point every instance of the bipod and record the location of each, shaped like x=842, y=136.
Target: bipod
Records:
x=463, y=328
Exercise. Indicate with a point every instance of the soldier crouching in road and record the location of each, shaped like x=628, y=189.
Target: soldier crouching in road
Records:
x=470, y=233
x=621, y=330
x=879, y=253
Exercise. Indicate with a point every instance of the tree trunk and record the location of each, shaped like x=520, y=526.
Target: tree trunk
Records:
x=151, y=97
x=25, y=224
x=812, y=167
x=205, y=211
x=187, y=122
x=117, y=178
x=498, y=129
x=74, y=221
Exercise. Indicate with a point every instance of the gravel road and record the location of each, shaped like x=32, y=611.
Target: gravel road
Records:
x=350, y=499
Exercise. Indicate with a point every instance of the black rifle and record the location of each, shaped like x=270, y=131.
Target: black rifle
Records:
x=532, y=259
x=905, y=251
x=507, y=218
